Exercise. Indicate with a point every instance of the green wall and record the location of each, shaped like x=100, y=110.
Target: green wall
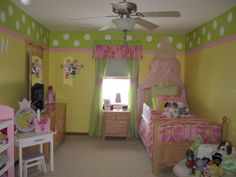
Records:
x=207, y=66
x=14, y=71
x=210, y=72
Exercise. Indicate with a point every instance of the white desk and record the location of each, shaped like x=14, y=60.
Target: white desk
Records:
x=23, y=140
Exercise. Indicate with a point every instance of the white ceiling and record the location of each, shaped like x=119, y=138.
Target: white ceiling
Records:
x=56, y=14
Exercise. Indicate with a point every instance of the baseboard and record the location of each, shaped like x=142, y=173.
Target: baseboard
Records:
x=77, y=133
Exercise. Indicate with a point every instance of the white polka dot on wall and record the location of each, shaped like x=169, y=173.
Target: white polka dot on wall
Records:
x=17, y=25
x=33, y=25
x=194, y=35
x=76, y=43
x=215, y=24
x=222, y=31
x=3, y=17
x=230, y=17
x=204, y=30
x=170, y=39
x=29, y=31
x=66, y=36
x=198, y=40
x=87, y=37
x=158, y=45
x=55, y=42
x=149, y=38
x=179, y=45
x=129, y=38
x=107, y=37
x=23, y=18
x=209, y=36
x=10, y=10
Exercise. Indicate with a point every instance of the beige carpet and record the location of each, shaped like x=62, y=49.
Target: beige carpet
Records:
x=84, y=156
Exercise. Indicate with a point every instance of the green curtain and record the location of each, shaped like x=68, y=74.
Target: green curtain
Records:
x=95, y=127
x=133, y=65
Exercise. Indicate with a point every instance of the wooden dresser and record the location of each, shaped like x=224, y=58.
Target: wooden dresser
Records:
x=57, y=113
x=115, y=123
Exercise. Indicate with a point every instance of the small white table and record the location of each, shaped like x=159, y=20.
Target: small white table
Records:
x=23, y=140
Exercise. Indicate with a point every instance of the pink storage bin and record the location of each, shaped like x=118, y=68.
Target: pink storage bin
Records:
x=42, y=126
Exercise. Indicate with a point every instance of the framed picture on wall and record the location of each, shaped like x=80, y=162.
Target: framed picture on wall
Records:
x=107, y=104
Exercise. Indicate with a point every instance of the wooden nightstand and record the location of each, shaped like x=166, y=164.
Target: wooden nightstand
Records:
x=115, y=123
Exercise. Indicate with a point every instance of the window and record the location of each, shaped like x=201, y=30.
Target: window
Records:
x=116, y=85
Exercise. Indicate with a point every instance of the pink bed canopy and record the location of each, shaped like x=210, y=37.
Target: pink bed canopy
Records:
x=165, y=71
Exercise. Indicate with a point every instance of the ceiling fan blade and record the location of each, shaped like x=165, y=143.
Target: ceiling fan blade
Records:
x=107, y=26
x=159, y=14
x=146, y=24
x=120, y=7
x=86, y=18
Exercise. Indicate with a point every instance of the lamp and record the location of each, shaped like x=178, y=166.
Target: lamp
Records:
x=124, y=24
x=118, y=98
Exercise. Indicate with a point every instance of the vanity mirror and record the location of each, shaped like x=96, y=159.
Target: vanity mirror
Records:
x=25, y=116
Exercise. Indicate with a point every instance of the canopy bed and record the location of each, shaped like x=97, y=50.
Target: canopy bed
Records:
x=167, y=137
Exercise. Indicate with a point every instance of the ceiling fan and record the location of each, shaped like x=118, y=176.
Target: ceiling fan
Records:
x=25, y=2
x=128, y=16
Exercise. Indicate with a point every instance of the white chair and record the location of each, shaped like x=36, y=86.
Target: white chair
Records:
x=36, y=159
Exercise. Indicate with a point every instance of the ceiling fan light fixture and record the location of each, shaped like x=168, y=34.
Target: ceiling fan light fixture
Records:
x=124, y=24
x=25, y=2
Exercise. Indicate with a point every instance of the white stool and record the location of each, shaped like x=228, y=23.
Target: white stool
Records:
x=33, y=160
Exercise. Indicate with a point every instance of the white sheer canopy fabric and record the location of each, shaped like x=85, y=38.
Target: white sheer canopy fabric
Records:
x=165, y=71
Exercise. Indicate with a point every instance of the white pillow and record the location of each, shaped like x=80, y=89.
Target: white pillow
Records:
x=146, y=115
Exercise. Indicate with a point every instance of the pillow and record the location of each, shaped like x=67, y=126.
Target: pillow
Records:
x=158, y=90
x=146, y=115
x=181, y=170
x=171, y=90
x=163, y=99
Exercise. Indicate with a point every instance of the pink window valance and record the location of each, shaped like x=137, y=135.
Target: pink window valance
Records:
x=117, y=51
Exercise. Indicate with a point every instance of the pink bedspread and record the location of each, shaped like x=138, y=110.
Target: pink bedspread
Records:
x=179, y=130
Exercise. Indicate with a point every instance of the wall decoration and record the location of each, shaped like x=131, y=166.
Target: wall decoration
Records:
x=71, y=68
x=36, y=69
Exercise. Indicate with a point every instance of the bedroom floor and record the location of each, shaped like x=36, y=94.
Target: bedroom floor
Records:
x=84, y=156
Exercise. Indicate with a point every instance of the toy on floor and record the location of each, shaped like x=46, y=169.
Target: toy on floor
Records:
x=205, y=159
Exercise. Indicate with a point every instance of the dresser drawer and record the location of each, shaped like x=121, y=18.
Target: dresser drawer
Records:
x=109, y=124
x=115, y=123
x=116, y=132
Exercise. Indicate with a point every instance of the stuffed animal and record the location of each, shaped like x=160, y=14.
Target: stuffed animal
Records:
x=171, y=110
x=199, y=166
x=217, y=158
x=214, y=171
x=208, y=150
x=183, y=110
x=190, y=159
x=225, y=148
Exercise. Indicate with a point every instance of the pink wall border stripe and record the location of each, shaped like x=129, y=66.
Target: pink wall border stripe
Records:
x=18, y=36
x=212, y=44
x=12, y=33
x=70, y=50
